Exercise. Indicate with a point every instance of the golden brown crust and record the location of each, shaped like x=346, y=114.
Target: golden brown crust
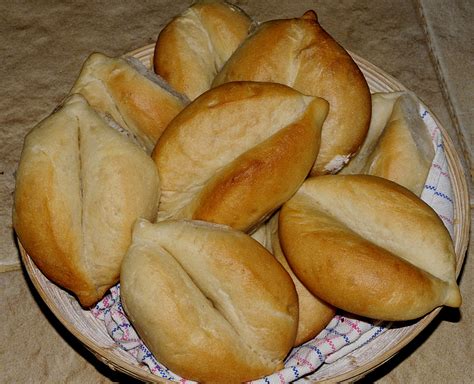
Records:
x=80, y=187
x=299, y=53
x=210, y=302
x=224, y=197
x=196, y=44
x=369, y=246
x=224, y=157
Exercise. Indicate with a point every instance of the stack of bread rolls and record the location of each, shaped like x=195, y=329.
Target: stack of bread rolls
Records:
x=165, y=181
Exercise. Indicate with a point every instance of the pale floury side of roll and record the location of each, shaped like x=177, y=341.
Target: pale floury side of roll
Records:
x=398, y=146
x=382, y=107
x=314, y=314
x=238, y=152
x=196, y=44
x=404, y=151
x=299, y=53
x=136, y=99
x=369, y=246
x=210, y=302
x=80, y=186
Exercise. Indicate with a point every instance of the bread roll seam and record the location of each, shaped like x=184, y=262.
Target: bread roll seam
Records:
x=218, y=308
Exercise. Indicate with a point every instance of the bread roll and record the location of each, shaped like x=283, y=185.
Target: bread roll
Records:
x=210, y=302
x=300, y=54
x=369, y=246
x=314, y=314
x=382, y=107
x=404, y=151
x=136, y=99
x=238, y=152
x=80, y=186
x=196, y=44
x=398, y=146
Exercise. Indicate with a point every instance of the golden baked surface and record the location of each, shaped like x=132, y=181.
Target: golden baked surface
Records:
x=299, y=53
x=196, y=44
x=369, y=246
x=314, y=314
x=80, y=187
x=128, y=94
x=236, y=153
x=210, y=302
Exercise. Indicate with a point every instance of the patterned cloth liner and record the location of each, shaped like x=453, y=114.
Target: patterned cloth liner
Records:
x=341, y=336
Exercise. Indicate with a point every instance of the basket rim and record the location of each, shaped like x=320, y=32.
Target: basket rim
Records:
x=461, y=241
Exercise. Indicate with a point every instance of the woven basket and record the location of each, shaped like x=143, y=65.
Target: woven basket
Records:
x=92, y=332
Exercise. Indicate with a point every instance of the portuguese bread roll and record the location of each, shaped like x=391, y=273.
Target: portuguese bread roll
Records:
x=210, y=302
x=238, y=152
x=300, y=54
x=382, y=107
x=398, y=146
x=80, y=186
x=196, y=44
x=314, y=314
x=369, y=246
x=135, y=98
x=404, y=151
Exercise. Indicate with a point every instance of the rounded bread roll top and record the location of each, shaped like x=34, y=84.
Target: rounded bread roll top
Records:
x=133, y=96
x=80, y=186
x=210, y=302
x=300, y=54
x=369, y=246
x=196, y=44
x=238, y=152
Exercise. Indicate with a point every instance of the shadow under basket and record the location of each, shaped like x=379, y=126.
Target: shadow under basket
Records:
x=93, y=334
